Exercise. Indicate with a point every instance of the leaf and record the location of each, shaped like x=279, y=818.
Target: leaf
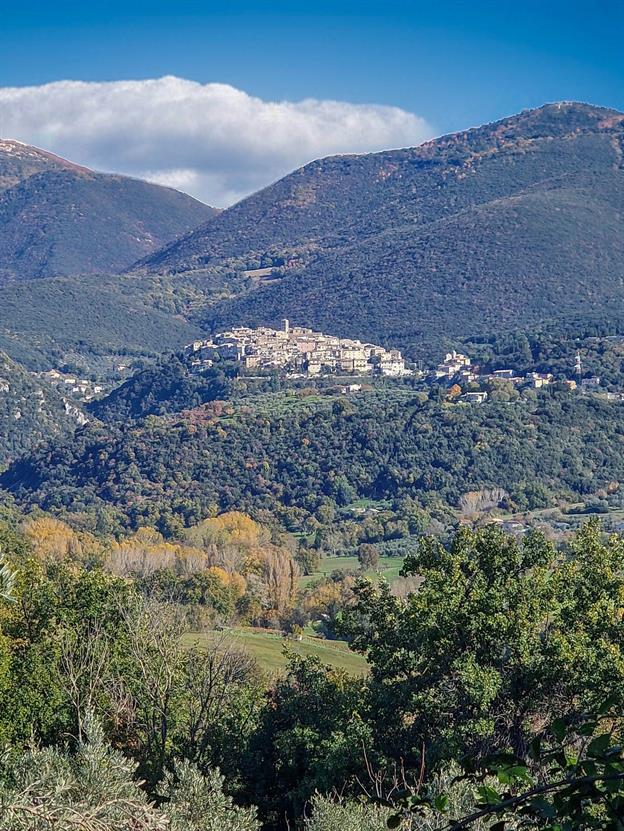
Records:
x=513, y=774
x=588, y=728
x=607, y=705
x=543, y=807
x=558, y=729
x=489, y=795
x=535, y=748
x=598, y=745
x=441, y=802
x=588, y=767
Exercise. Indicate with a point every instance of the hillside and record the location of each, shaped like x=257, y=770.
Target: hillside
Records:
x=30, y=411
x=19, y=161
x=58, y=218
x=298, y=457
x=94, y=321
x=511, y=223
x=165, y=387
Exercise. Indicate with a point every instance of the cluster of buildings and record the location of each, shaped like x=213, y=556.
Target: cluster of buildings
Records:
x=295, y=349
x=459, y=368
x=78, y=388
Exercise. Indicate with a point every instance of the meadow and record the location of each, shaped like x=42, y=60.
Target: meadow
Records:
x=272, y=649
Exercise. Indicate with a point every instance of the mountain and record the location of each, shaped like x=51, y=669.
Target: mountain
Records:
x=94, y=321
x=30, y=411
x=515, y=222
x=58, y=218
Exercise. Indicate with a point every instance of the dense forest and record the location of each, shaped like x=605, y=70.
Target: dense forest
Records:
x=31, y=412
x=303, y=456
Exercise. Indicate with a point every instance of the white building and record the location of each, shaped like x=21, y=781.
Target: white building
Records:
x=453, y=362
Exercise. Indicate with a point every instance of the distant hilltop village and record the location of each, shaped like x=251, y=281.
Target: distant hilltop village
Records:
x=298, y=350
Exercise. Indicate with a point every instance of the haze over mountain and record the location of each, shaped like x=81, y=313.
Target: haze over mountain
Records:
x=508, y=224
x=57, y=218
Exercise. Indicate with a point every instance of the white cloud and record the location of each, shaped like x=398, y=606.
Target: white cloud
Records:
x=211, y=140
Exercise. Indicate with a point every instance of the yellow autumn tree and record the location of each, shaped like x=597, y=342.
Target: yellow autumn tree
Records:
x=53, y=540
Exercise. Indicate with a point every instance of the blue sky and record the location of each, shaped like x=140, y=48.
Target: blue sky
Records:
x=455, y=63
x=234, y=115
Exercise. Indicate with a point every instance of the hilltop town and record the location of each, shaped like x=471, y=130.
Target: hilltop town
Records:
x=297, y=350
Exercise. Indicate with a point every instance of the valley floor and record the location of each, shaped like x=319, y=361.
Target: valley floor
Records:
x=272, y=649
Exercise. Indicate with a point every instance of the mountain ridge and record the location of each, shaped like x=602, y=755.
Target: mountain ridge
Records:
x=58, y=218
x=518, y=220
x=425, y=152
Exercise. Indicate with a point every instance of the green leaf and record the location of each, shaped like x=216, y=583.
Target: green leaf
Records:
x=543, y=807
x=588, y=767
x=441, y=803
x=598, y=745
x=606, y=706
x=489, y=795
x=558, y=729
x=535, y=748
x=588, y=728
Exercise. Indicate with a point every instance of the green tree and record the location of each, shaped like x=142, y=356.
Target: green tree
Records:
x=311, y=737
x=96, y=790
x=502, y=634
x=572, y=778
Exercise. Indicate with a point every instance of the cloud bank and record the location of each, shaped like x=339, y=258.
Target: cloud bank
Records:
x=210, y=140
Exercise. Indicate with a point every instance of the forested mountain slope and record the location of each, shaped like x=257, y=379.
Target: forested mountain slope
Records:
x=510, y=223
x=90, y=321
x=59, y=218
x=291, y=457
x=30, y=411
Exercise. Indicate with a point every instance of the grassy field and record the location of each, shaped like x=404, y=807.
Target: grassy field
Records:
x=389, y=568
x=269, y=649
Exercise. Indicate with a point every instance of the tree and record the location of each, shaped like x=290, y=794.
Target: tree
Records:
x=172, y=698
x=54, y=603
x=327, y=814
x=93, y=791
x=308, y=560
x=198, y=803
x=311, y=737
x=7, y=582
x=368, y=556
x=501, y=635
x=96, y=790
x=572, y=777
